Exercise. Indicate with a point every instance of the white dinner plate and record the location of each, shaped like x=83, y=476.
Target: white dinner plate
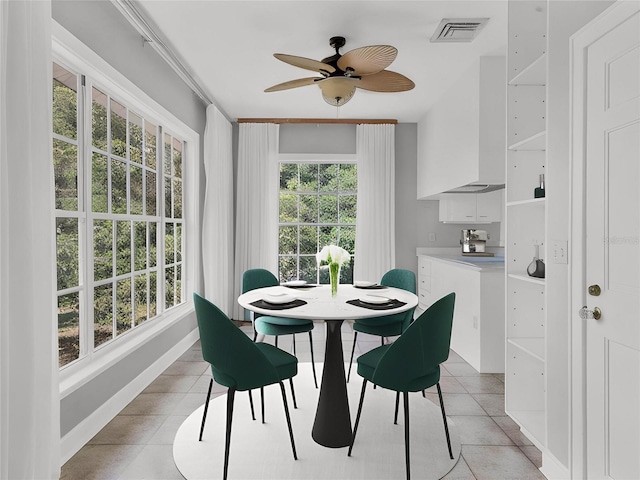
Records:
x=295, y=283
x=374, y=299
x=363, y=283
x=279, y=298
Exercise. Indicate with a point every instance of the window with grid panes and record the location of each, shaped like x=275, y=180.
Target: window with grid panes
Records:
x=119, y=246
x=317, y=208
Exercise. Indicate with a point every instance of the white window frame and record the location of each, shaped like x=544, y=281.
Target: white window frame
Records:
x=70, y=52
x=327, y=158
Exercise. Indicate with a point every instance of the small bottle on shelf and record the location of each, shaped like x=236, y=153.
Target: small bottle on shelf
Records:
x=539, y=191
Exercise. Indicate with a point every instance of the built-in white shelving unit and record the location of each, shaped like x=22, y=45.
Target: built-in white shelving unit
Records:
x=538, y=360
x=525, y=391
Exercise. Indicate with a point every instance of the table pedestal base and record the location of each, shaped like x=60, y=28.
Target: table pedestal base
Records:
x=332, y=425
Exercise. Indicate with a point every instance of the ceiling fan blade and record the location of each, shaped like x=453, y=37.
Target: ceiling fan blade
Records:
x=306, y=63
x=368, y=60
x=386, y=81
x=337, y=91
x=300, y=82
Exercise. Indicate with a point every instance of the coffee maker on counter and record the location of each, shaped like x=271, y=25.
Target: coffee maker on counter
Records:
x=474, y=242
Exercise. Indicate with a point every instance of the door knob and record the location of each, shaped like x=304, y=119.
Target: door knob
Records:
x=594, y=290
x=587, y=314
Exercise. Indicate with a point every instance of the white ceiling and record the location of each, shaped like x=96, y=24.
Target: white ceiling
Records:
x=228, y=46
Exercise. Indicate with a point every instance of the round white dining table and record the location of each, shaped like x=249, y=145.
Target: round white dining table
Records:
x=332, y=424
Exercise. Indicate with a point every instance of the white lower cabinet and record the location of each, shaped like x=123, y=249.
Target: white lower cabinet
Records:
x=478, y=323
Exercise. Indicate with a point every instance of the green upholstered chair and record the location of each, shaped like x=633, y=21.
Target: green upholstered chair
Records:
x=268, y=325
x=240, y=364
x=411, y=363
x=391, y=325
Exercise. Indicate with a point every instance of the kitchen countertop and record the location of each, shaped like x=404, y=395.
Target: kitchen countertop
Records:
x=454, y=257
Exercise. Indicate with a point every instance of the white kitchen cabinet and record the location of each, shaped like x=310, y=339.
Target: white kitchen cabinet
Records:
x=478, y=322
x=461, y=138
x=471, y=207
x=424, y=282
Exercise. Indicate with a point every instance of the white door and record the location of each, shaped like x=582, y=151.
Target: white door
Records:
x=612, y=248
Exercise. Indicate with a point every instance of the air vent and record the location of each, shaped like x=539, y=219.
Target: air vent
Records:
x=458, y=29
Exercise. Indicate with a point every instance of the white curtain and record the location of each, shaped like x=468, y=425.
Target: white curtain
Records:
x=29, y=389
x=257, y=202
x=217, y=223
x=375, y=247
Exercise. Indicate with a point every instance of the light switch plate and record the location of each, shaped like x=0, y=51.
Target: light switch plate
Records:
x=559, y=251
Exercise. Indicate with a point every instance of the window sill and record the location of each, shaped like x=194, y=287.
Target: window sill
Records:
x=76, y=375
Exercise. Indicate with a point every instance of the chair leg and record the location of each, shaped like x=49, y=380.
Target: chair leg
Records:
x=395, y=417
x=276, y=340
x=286, y=412
x=382, y=345
x=313, y=363
x=406, y=433
x=294, y=343
x=262, y=402
x=230, y=396
x=353, y=349
x=444, y=419
x=253, y=413
x=355, y=426
x=206, y=407
x=293, y=393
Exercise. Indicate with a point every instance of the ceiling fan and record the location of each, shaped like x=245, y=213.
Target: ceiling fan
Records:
x=341, y=74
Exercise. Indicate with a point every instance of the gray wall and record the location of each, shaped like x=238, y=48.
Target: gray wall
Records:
x=100, y=26
x=318, y=138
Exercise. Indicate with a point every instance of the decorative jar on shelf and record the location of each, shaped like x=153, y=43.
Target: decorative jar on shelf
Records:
x=536, y=267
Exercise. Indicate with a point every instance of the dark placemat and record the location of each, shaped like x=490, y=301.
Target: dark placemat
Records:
x=371, y=287
x=306, y=285
x=278, y=306
x=391, y=304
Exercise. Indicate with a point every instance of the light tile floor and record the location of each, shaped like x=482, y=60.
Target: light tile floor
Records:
x=137, y=444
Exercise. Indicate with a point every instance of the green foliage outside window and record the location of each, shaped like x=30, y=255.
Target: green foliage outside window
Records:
x=317, y=208
x=124, y=178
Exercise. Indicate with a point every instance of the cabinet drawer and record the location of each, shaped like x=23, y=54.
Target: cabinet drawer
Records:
x=424, y=299
x=424, y=284
x=424, y=267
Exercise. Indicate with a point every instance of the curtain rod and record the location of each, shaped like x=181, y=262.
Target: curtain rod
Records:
x=317, y=120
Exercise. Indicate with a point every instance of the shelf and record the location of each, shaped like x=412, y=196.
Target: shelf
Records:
x=529, y=201
x=527, y=278
x=537, y=141
x=532, y=346
x=534, y=74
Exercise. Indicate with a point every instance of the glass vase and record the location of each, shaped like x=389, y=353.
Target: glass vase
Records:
x=334, y=277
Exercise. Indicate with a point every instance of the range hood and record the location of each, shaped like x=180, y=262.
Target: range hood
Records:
x=476, y=188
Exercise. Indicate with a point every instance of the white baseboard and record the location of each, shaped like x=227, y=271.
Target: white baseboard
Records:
x=553, y=469
x=73, y=441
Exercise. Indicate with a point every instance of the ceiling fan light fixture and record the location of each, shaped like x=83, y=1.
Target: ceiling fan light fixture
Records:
x=337, y=91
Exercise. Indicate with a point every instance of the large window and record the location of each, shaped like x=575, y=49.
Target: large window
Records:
x=119, y=215
x=317, y=208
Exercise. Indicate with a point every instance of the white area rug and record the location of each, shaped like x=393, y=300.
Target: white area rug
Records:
x=263, y=451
